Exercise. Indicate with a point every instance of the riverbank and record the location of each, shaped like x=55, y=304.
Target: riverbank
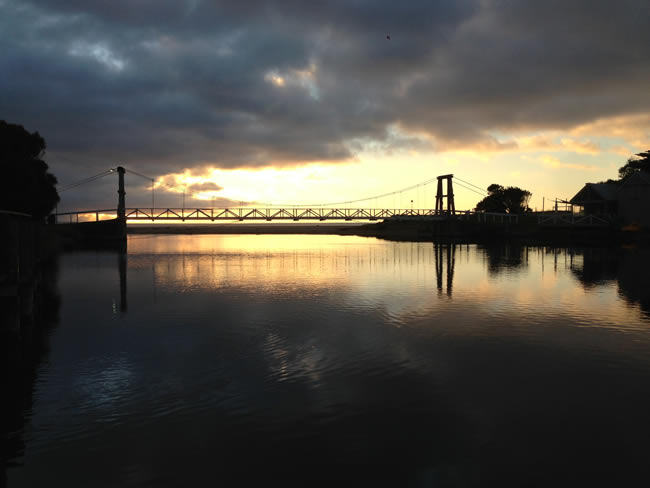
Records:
x=527, y=233
x=29, y=309
x=28, y=251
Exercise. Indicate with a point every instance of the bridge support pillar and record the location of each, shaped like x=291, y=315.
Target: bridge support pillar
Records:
x=121, y=205
x=440, y=195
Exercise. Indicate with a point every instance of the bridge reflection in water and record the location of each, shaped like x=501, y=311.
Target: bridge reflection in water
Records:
x=445, y=261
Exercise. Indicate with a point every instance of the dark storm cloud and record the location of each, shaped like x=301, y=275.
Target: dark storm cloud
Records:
x=164, y=85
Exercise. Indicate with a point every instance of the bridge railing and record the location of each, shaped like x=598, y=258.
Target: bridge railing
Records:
x=573, y=219
x=270, y=214
x=84, y=216
x=281, y=214
x=488, y=217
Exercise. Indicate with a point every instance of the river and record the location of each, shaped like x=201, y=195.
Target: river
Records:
x=195, y=359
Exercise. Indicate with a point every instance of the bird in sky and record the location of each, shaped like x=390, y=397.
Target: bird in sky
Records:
x=388, y=37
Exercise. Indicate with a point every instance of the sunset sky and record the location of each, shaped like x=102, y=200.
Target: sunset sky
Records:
x=309, y=102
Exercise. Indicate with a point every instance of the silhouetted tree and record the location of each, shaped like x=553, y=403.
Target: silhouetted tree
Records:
x=509, y=199
x=640, y=163
x=28, y=187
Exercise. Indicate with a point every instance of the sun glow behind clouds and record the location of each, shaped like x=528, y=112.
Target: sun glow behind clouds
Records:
x=550, y=164
x=266, y=186
x=304, y=79
x=368, y=176
x=274, y=78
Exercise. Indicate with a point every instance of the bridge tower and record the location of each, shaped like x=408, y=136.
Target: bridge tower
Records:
x=440, y=195
x=121, y=204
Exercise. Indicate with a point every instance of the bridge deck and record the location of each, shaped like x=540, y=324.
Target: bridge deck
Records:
x=273, y=214
x=270, y=214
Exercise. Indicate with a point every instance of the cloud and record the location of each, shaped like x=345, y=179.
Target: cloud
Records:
x=207, y=186
x=621, y=150
x=170, y=85
x=554, y=163
x=189, y=182
x=634, y=129
x=586, y=147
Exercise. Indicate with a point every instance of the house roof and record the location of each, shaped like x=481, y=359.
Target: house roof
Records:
x=607, y=192
x=637, y=178
x=596, y=192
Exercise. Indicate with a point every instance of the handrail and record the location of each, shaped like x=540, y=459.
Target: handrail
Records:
x=11, y=212
x=81, y=212
x=571, y=219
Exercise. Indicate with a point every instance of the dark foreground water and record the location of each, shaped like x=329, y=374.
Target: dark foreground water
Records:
x=215, y=359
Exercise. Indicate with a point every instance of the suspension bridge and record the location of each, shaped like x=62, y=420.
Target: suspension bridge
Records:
x=445, y=207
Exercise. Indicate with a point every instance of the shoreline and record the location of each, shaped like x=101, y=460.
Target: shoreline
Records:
x=418, y=231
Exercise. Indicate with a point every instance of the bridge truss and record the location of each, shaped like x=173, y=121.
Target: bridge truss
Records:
x=296, y=214
x=271, y=214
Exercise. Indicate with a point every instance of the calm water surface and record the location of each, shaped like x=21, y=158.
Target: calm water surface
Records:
x=196, y=358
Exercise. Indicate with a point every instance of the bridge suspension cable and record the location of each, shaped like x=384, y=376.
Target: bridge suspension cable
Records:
x=395, y=192
x=98, y=176
x=183, y=188
x=152, y=180
x=179, y=188
x=470, y=184
x=139, y=174
x=482, y=193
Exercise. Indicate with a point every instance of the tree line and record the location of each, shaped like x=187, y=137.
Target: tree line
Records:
x=28, y=185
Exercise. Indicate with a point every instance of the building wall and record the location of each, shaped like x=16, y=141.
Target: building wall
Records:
x=605, y=209
x=634, y=204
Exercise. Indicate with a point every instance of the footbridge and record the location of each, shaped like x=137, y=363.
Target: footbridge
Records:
x=444, y=208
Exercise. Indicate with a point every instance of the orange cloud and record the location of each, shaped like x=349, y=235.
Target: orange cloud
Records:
x=586, y=147
x=633, y=129
x=554, y=163
x=620, y=150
